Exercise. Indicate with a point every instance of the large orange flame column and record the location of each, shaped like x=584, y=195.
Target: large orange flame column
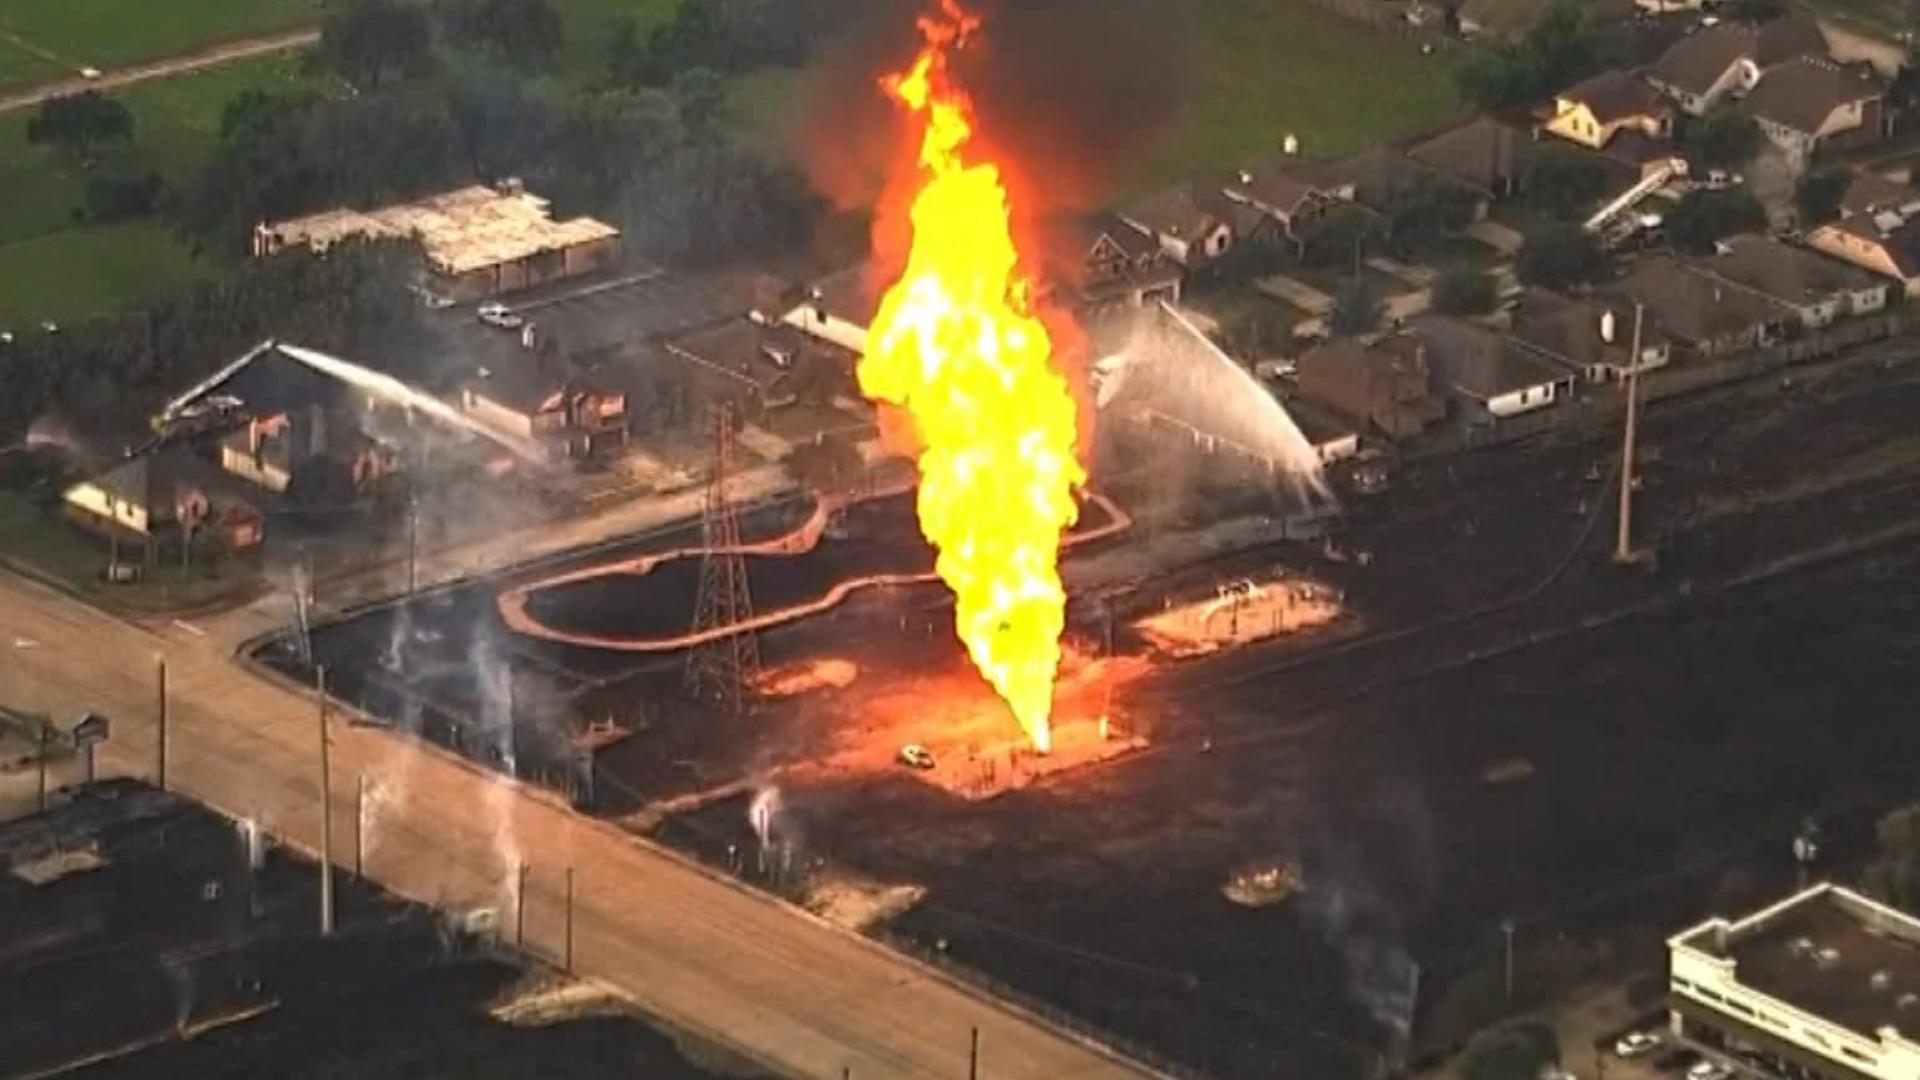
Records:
x=956, y=343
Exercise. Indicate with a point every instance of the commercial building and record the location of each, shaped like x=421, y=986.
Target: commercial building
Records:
x=1820, y=986
x=478, y=241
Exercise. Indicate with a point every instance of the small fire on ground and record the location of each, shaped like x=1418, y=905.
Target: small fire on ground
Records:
x=970, y=750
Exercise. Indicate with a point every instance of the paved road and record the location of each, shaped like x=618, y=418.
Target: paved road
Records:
x=212, y=56
x=797, y=996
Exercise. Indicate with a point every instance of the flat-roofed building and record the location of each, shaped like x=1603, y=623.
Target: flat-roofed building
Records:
x=1824, y=985
x=478, y=241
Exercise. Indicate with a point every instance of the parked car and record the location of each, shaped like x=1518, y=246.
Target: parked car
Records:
x=1709, y=1070
x=500, y=315
x=1636, y=1044
x=915, y=756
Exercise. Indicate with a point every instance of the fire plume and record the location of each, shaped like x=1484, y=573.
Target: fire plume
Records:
x=956, y=344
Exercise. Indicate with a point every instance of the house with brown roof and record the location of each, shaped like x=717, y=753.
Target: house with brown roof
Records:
x=1187, y=220
x=1817, y=289
x=1729, y=59
x=1592, y=335
x=1710, y=316
x=547, y=401
x=1288, y=196
x=163, y=498
x=1483, y=154
x=1119, y=266
x=1494, y=375
x=1812, y=104
x=1611, y=103
x=1878, y=230
x=1385, y=385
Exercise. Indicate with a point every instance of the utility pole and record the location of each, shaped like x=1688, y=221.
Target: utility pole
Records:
x=1623, y=552
x=45, y=729
x=1506, y=927
x=160, y=762
x=520, y=906
x=725, y=667
x=973, y=1057
x=360, y=828
x=568, y=964
x=413, y=543
x=326, y=808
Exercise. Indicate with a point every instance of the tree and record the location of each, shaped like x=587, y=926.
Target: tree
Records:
x=1563, y=44
x=1559, y=257
x=526, y=35
x=1340, y=236
x=1894, y=874
x=76, y=123
x=1816, y=198
x=117, y=198
x=1463, y=292
x=1356, y=308
x=1725, y=138
x=373, y=41
x=1517, y=1050
x=1564, y=182
x=1704, y=217
x=1494, y=78
x=1427, y=210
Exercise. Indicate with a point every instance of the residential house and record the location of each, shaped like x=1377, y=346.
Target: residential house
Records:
x=1483, y=154
x=1118, y=267
x=1817, y=289
x=1496, y=375
x=159, y=498
x=546, y=402
x=839, y=308
x=1729, y=59
x=1385, y=385
x=1811, y=104
x=774, y=361
x=1189, y=221
x=1710, y=316
x=1878, y=230
x=1591, y=335
x=1377, y=176
x=1594, y=112
x=269, y=449
x=1288, y=195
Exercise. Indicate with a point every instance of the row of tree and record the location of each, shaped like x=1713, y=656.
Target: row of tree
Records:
x=110, y=373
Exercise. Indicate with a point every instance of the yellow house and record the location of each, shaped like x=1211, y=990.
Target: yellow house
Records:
x=1593, y=112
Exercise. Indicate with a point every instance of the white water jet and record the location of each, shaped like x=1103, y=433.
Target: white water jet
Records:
x=386, y=386
x=1170, y=369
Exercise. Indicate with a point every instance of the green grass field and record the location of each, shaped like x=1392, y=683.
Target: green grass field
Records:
x=20, y=67
x=66, y=275
x=590, y=25
x=109, y=33
x=1258, y=71
x=54, y=267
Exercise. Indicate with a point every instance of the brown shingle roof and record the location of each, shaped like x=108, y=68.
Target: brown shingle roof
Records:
x=1480, y=363
x=1616, y=95
x=1801, y=94
x=1697, y=61
x=1569, y=329
x=1783, y=272
x=1279, y=182
x=1180, y=211
x=1871, y=193
x=1693, y=306
x=1482, y=153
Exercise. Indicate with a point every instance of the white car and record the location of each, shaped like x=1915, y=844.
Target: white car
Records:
x=915, y=756
x=1636, y=1044
x=500, y=315
x=1709, y=1070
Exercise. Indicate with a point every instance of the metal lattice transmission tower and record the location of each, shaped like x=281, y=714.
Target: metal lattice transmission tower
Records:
x=724, y=668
